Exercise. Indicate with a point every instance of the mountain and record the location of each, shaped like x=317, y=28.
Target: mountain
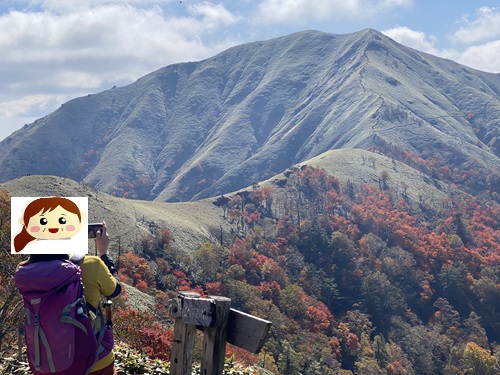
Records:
x=200, y=129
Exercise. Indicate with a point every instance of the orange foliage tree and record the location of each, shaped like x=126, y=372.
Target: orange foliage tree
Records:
x=136, y=271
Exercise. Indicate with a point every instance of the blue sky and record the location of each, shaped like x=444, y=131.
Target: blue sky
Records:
x=54, y=50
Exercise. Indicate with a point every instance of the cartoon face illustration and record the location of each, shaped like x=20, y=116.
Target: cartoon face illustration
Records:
x=54, y=224
x=50, y=218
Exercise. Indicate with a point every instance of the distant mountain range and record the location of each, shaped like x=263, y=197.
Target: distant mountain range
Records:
x=200, y=129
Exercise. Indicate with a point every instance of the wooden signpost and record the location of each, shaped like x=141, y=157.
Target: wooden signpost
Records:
x=220, y=324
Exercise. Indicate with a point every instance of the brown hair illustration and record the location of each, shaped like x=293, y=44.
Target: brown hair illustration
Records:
x=44, y=205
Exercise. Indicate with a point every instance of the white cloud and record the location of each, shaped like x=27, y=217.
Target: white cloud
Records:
x=64, y=6
x=485, y=27
x=110, y=30
x=485, y=57
x=31, y=105
x=396, y=3
x=414, y=39
x=303, y=11
x=113, y=42
x=214, y=15
x=25, y=110
x=66, y=47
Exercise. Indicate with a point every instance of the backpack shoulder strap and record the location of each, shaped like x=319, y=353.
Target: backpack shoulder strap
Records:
x=77, y=258
x=98, y=315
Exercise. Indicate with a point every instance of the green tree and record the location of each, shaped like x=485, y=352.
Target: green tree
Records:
x=486, y=290
x=289, y=361
x=446, y=316
x=381, y=298
x=292, y=301
x=209, y=262
x=314, y=244
x=380, y=351
x=427, y=350
x=358, y=322
x=368, y=366
x=243, y=296
x=474, y=331
x=452, y=282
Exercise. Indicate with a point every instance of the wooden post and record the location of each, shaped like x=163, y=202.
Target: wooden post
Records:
x=220, y=325
x=215, y=338
x=181, y=357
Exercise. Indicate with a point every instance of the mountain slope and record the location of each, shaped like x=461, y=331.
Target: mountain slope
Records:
x=200, y=129
x=191, y=223
x=195, y=222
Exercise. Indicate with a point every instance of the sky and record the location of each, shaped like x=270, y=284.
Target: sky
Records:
x=52, y=51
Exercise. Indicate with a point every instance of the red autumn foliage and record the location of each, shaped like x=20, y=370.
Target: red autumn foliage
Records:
x=141, y=332
x=215, y=288
x=183, y=282
x=270, y=290
x=135, y=270
x=257, y=266
x=335, y=347
x=395, y=368
x=352, y=342
x=319, y=316
x=241, y=355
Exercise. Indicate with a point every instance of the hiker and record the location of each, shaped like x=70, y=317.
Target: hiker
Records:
x=58, y=311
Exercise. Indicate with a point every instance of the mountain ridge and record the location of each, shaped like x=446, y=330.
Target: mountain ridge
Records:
x=193, y=223
x=199, y=129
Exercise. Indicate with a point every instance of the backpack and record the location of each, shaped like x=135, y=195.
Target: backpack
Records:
x=58, y=327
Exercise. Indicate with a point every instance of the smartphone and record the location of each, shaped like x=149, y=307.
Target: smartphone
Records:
x=93, y=228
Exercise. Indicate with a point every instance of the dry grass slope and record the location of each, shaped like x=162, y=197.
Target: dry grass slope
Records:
x=358, y=167
x=191, y=223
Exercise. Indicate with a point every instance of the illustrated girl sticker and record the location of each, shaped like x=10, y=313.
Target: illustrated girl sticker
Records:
x=49, y=225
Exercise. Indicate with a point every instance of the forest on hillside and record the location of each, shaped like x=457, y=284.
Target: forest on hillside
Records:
x=355, y=279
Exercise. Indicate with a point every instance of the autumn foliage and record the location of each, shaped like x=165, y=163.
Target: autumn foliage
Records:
x=333, y=251
x=356, y=279
x=142, y=332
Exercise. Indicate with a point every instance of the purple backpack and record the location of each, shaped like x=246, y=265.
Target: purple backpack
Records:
x=58, y=329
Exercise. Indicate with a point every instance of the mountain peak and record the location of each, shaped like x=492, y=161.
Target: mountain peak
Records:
x=198, y=129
